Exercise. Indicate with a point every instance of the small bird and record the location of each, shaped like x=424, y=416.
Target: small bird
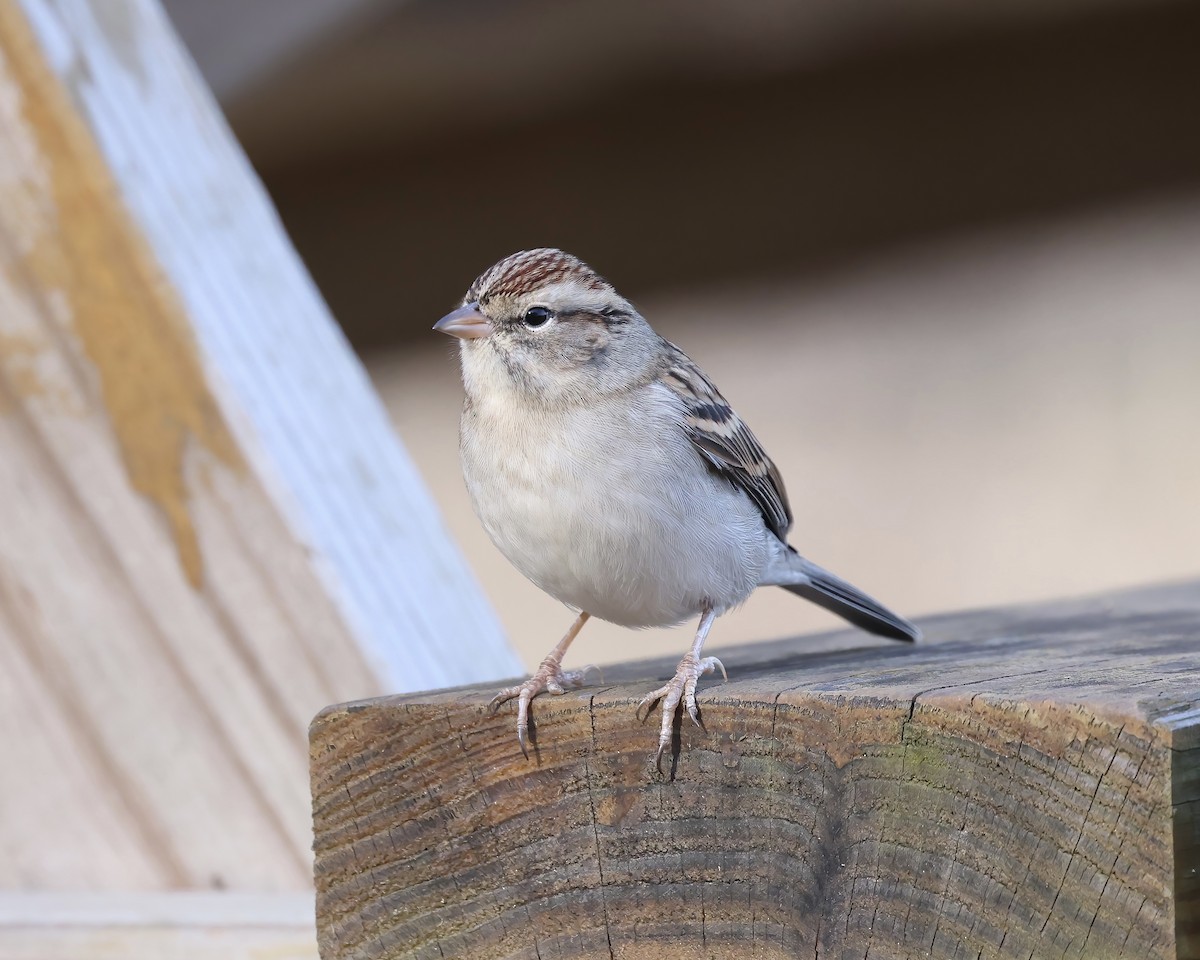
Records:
x=610, y=471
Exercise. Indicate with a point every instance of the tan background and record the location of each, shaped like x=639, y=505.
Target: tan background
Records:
x=943, y=261
x=1009, y=416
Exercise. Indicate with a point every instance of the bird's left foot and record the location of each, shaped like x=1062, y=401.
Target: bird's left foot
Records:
x=682, y=686
x=549, y=678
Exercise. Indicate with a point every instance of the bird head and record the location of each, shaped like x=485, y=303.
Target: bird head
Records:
x=544, y=324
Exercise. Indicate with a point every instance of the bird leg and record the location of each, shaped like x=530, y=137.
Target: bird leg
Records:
x=548, y=678
x=682, y=686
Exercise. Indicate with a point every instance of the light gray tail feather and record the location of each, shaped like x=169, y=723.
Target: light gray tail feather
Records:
x=835, y=594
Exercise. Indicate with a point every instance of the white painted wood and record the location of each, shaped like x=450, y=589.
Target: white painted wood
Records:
x=164, y=637
x=289, y=384
x=181, y=925
x=177, y=908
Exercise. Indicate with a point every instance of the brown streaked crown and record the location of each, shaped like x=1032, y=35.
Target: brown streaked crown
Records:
x=523, y=273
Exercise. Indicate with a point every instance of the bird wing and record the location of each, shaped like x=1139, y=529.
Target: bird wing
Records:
x=725, y=442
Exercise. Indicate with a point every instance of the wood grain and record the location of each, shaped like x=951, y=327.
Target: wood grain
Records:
x=209, y=530
x=1023, y=784
x=292, y=393
x=146, y=575
x=167, y=626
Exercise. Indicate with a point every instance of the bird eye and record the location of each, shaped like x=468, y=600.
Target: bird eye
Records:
x=536, y=317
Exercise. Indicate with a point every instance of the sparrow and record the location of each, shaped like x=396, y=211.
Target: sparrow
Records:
x=608, y=469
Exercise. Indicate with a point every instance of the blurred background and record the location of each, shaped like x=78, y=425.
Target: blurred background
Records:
x=944, y=258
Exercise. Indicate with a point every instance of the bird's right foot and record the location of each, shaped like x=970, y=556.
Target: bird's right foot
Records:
x=548, y=678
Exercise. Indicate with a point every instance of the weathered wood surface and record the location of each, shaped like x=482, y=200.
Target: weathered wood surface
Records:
x=293, y=394
x=192, y=470
x=1023, y=784
x=162, y=926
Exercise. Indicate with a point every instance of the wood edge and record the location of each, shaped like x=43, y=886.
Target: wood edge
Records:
x=1182, y=725
x=335, y=712
x=479, y=697
x=782, y=654
x=1183, y=728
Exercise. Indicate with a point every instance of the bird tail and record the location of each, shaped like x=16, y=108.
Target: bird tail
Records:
x=815, y=583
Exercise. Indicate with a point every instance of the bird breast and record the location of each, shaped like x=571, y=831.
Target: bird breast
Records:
x=611, y=510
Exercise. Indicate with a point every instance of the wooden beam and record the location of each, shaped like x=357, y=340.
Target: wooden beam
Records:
x=1023, y=784
x=292, y=393
x=207, y=529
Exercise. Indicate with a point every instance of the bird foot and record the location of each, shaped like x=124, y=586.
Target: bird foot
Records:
x=548, y=678
x=682, y=686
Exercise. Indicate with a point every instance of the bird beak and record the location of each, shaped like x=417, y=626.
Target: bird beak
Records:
x=466, y=323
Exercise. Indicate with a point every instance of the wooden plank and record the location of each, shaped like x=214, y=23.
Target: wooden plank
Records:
x=157, y=943
x=196, y=926
x=1019, y=785
x=192, y=469
x=292, y=392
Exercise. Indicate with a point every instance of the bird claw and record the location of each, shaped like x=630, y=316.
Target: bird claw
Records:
x=681, y=687
x=548, y=678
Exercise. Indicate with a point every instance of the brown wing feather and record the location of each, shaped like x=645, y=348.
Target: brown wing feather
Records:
x=726, y=442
